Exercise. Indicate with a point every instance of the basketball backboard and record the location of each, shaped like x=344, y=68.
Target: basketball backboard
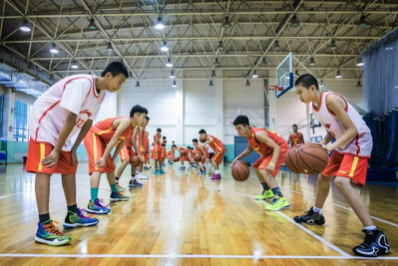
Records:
x=284, y=75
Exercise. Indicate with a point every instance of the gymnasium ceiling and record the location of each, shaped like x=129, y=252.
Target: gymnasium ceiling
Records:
x=193, y=32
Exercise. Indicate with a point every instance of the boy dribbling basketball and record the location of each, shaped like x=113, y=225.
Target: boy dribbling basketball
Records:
x=348, y=163
x=272, y=149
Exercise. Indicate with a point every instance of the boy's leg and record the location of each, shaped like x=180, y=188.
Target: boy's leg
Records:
x=322, y=190
x=42, y=189
x=216, y=161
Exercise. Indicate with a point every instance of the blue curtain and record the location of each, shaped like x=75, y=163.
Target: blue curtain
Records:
x=385, y=139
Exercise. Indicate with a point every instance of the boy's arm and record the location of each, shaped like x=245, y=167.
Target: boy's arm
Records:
x=336, y=105
x=288, y=140
x=263, y=138
x=83, y=132
x=328, y=138
x=210, y=140
x=141, y=132
x=302, y=138
x=134, y=140
x=67, y=128
x=118, y=149
x=246, y=152
x=123, y=125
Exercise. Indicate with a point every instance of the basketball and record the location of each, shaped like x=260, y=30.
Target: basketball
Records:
x=202, y=140
x=135, y=161
x=176, y=159
x=197, y=158
x=182, y=153
x=290, y=160
x=240, y=171
x=311, y=159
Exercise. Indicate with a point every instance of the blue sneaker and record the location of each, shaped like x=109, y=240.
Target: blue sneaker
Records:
x=161, y=172
x=156, y=172
x=201, y=172
x=135, y=183
x=118, y=196
x=80, y=218
x=375, y=244
x=97, y=207
x=48, y=234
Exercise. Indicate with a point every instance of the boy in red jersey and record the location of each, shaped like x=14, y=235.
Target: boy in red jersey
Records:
x=157, y=152
x=348, y=163
x=296, y=137
x=219, y=151
x=142, y=146
x=66, y=109
x=203, y=152
x=183, y=158
x=272, y=149
x=100, y=141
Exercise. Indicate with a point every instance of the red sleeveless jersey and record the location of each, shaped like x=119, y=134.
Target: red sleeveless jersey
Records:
x=216, y=144
x=105, y=130
x=295, y=139
x=206, y=154
x=261, y=148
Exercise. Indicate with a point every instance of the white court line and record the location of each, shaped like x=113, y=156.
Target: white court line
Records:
x=324, y=241
x=345, y=208
x=182, y=256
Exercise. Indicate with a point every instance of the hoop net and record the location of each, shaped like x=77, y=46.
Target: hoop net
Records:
x=272, y=88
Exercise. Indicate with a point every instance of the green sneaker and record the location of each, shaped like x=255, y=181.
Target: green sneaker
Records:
x=267, y=194
x=118, y=196
x=48, y=234
x=278, y=204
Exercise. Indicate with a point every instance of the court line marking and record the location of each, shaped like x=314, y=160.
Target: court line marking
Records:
x=345, y=208
x=176, y=256
x=324, y=241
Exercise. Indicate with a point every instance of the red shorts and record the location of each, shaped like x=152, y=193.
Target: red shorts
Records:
x=37, y=151
x=184, y=158
x=95, y=148
x=157, y=155
x=126, y=153
x=263, y=162
x=218, y=156
x=347, y=165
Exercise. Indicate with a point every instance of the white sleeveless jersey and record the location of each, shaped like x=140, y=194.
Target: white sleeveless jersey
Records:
x=76, y=94
x=362, y=144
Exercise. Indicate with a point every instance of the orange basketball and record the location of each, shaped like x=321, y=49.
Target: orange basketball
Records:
x=311, y=158
x=240, y=171
x=182, y=153
x=197, y=158
x=202, y=140
x=290, y=160
x=135, y=161
x=176, y=159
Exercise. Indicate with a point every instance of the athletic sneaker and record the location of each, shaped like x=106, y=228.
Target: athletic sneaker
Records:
x=182, y=168
x=201, y=172
x=277, y=204
x=48, y=233
x=97, y=207
x=120, y=188
x=161, y=172
x=310, y=217
x=142, y=176
x=80, y=218
x=216, y=177
x=118, y=196
x=266, y=194
x=134, y=183
x=375, y=244
x=156, y=172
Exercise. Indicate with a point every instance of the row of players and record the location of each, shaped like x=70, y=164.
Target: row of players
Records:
x=69, y=107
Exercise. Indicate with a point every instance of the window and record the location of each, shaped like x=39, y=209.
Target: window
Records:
x=21, y=131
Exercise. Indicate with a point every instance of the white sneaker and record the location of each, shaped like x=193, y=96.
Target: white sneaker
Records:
x=142, y=176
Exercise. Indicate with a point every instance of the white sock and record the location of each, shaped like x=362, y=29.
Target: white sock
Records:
x=315, y=209
x=217, y=171
x=370, y=228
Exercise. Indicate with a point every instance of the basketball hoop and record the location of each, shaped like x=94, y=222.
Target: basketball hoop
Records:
x=272, y=88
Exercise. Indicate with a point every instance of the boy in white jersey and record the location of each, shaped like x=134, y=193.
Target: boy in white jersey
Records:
x=61, y=112
x=348, y=163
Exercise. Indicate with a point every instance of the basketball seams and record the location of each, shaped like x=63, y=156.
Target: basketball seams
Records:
x=314, y=156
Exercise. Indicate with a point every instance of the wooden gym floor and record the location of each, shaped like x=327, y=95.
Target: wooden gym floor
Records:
x=183, y=219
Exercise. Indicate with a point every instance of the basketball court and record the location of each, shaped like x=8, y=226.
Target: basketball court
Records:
x=210, y=62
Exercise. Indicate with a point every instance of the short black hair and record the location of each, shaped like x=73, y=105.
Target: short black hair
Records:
x=159, y=130
x=115, y=68
x=202, y=131
x=241, y=120
x=190, y=148
x=174, y=146
x=195, y=140
x=294, y=125
x=163, y=145
x=164, y=137
x=147, y=118
x=138, y=109
x=307, y=80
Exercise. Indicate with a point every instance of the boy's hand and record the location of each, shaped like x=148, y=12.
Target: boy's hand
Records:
x=74, y=157
x=100, y=163
x=270, y=167
x=51, y=159
x=327, y=147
